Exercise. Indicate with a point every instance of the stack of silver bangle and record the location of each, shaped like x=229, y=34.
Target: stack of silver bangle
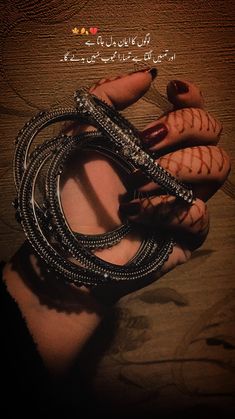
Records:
x=45, y=225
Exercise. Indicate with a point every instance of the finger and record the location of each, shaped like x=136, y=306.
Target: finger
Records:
x=183, y=94
x=119, y=92
x=183, y=127
x=180, y=255
x=168, y=212
x=204, y=167
x=124, y=90
x=188, y=223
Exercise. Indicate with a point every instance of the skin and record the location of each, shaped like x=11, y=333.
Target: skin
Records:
x=62, y=318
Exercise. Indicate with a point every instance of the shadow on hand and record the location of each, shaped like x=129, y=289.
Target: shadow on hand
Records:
x=48, y=287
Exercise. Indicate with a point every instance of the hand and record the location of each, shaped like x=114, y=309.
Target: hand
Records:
x=61, y=319
x=186, y=142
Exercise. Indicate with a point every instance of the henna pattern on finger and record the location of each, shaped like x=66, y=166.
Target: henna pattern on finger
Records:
x=148, y=209
x=187, y=117
x=212, y=159
x=199, y=114
x=169, y=159
x=199, y=218
x=192, y=116
x=210, y=122
x=191, y=162
x=182, y=217
x=221, y=164
x=193, y=217
x=202, y=162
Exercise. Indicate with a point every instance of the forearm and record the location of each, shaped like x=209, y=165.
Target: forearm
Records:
x=60, y=318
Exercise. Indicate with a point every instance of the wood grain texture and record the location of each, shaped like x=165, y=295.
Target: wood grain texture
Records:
x=170, y=347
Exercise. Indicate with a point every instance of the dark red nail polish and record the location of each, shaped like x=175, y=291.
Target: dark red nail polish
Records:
x=154, y=135
x=132, y=208
x=178, y=87
x=153, y=71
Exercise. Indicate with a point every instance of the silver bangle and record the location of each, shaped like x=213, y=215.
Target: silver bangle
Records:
x=45, y=225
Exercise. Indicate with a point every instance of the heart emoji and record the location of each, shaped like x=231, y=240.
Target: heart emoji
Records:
x=93, y=31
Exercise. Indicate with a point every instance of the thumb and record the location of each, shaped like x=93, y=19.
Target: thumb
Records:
x=122, y=91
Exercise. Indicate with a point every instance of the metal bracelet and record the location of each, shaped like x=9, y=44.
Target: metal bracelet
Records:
x=45, y=226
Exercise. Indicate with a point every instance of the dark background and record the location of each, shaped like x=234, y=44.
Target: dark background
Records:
x=171, y=346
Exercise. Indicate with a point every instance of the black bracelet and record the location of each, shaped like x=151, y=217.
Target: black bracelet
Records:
x=45, y=225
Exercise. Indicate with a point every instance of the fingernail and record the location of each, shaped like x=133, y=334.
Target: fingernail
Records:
x=132, y=208
x=137, y=179
x=153, y=135
x=153, y=71
x=178, y=87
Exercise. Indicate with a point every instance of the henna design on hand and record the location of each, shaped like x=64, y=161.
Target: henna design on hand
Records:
x=211, y=161
x=173, y=213
x=195, y=216
x=193, y=118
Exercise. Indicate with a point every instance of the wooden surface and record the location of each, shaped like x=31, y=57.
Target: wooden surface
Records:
x=171, y=346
